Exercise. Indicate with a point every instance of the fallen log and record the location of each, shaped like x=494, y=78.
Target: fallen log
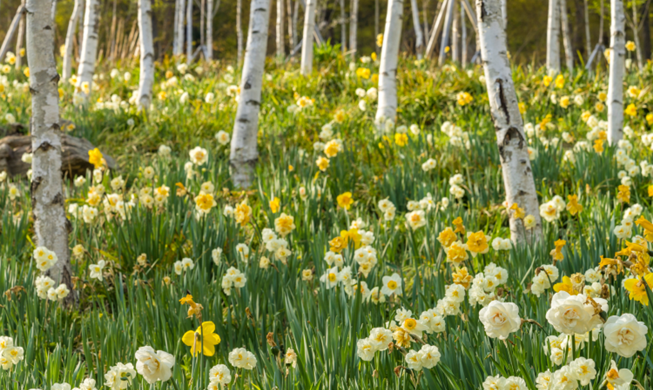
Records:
x=74, y=153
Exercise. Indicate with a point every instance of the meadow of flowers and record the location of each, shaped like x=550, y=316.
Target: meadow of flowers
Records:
x=366, y=256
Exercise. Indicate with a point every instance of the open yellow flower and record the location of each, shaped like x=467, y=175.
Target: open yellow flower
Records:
x=573, y=206
x=275, y=204
x=95, y=157
x=637, y=289
x=203, y=339
x=631, y=110
x=345, y=200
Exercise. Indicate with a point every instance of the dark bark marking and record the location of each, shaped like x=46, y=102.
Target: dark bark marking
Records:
x=504, y=104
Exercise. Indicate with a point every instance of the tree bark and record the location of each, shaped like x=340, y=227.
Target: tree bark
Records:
x=455, y=34
x=292, y=39
x=307, y=39
x=511, y=140
x=602, y=8
x=463, y=40
x=419, y=38
x=209, y=29
x=615, y=85
x=19, y=40
x=552, y=38
x=175, y=31
x=281, y=50
x=244, y=152
x=189, y=31
x=566, y=36
x=638, y=49
x=11, y=32
x=588, y=37
x=377, y=11
x=53, y=11
x=179, y=34
x=646, y=39
x=50, y=224
x=437, y=24
x=353, y=29
x=387, y=108
x=343, y=27
x=146, y=81
x=446, y=32
x=425, y=16
x=68, y=45
x=239, y=30
x=89, y=47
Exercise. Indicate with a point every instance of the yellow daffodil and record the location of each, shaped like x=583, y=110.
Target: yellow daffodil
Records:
x=203, y=339
x=631, y=110
x=624, y=194
x=573, y=206
x=275, y=204
x=95, y=158
x=637, y=289
x=345, y=200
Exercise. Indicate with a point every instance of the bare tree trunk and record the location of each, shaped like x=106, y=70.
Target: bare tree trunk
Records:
x=552, y=38
x=463, y=41
x=11, y=32
x=244, y=152
x=281, y=50
x=180, y=34
x=437, y=24
x=588, y=37
x=146, y=81
x=601, y=23
x=425, y=16
x=89, y=47
x=566, y=36
x=239, y=30
x=455, y=34
x=68, y=45
x=307, y=40
x=376, y=22
x=446, y=33
x=419, y=38
x=638, y=49
x=387, y=108
x=353, y=29
x=291, y=32
x=202, y=21
x=50, y=224
x=504, y=14
x=646, y=27
x=80, y=36
x=19, y=41
x=175, y=33
x=209, y=30
x=508, y=125
x=189, y=31
x=112, y=34
x=615, y=85
x=343, y=27
x=53, y=11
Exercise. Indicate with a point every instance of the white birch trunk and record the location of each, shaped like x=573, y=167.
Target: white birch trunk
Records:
x=239, y=30
x=19, y=40
x=89, y=47
x=244, y=154
x=353, y=29
x=419, y=38
x=387, y=108
x=508, y=124
x=638, y=50
x=307, y=39
x=425, y=16
x=343, y=27
x=455, y=34
x=566, y=36
x=446, y=33
x=437, y=25
x=50, y=224
x=9, y=36
x=615, y=85
x=291, y=37
x=68, y=45
x=146, y=81
x=209, y=30
x=463, y=39
x=189, y=31
x=504, y=14
x=552, y=38
x=588, y=38
x=281, y=52
x=53, y=12
x=175, y=31
x=180, y=33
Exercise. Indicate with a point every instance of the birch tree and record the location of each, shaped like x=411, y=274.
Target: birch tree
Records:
x=508, y=125
x=552, y=38
x=280, y=35
x=307, y=40
x=244, y=153
x=353, y=29
x=20, y=39
x=210, y=14
x=70, y=35
x=588, y=38
x=615, y=85
x=419, y=38
x=180, y=6
x=146, y=80
x=51, y=227
x=239, y=30
x=343, y=27
x=566, y=36
x=387, y=108
x=189, y=31
x=89, y=48
x=446, y=32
